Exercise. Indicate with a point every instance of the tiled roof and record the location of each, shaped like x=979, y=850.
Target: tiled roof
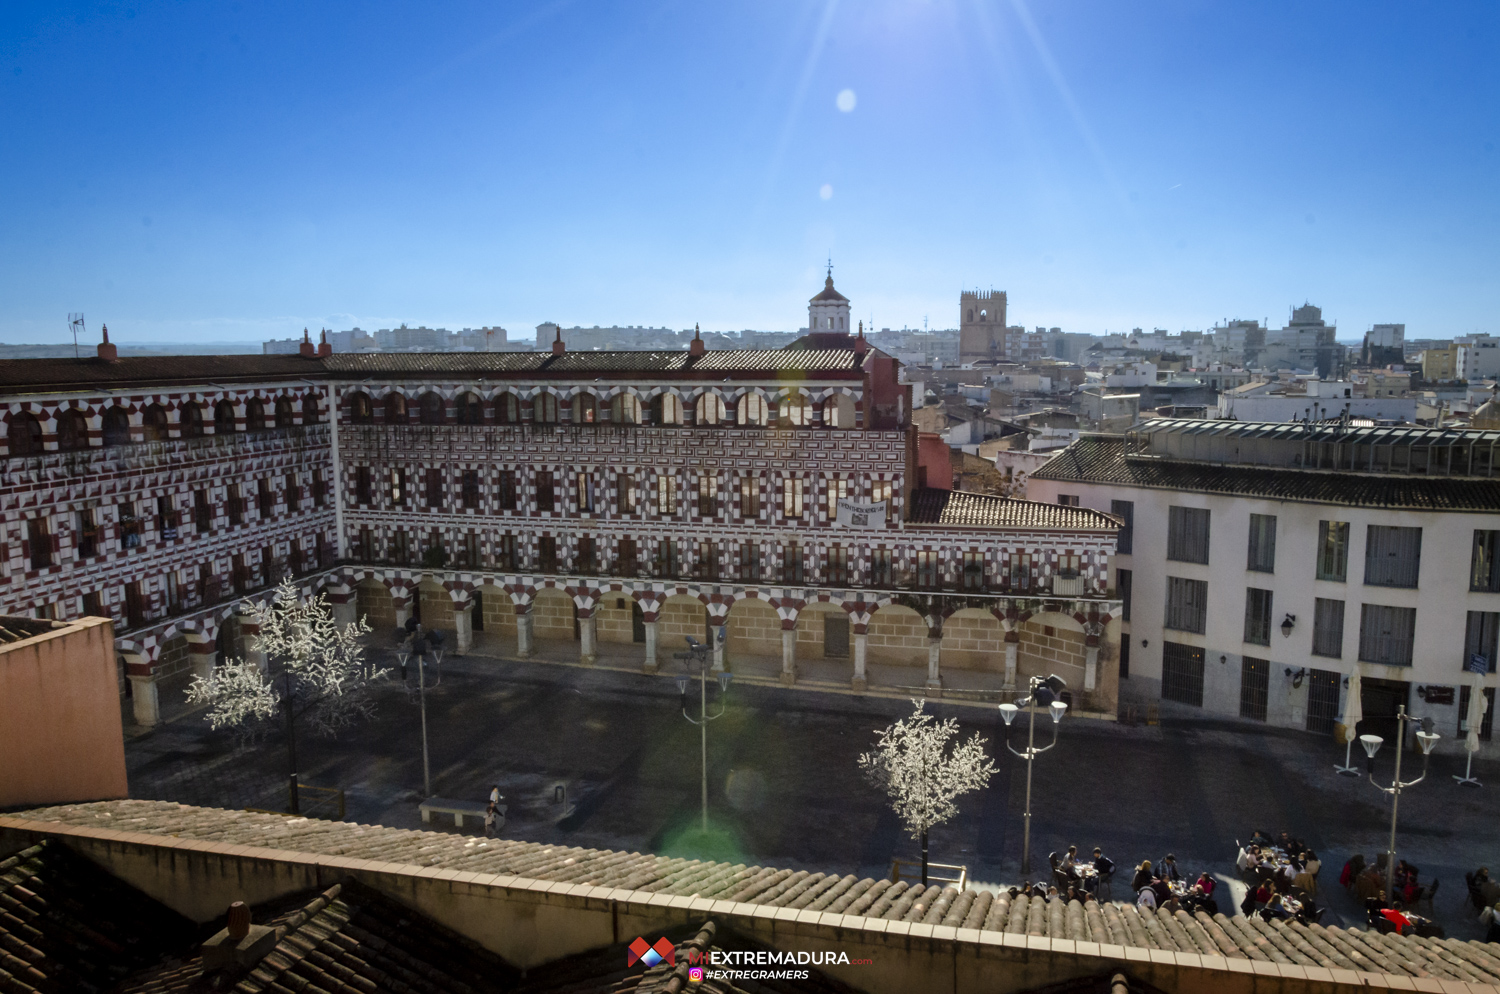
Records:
x=67, y=925
x=40, y=375
x=960, y=508
x=1318, y=431
x=1101, y=459
x=767, y=361
x=1126, y=925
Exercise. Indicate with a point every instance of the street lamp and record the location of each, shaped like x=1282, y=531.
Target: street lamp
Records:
x=698, y=653
x=1044, y=691
x=1426, y=739
x=437, y=660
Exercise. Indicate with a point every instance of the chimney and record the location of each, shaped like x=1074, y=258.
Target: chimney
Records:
x=695, y=347
x=324, y=349
x=240, y=944
x=860, y=345
x=307, y=349
x=558, y=348
x=239, y=920
x=107, y=352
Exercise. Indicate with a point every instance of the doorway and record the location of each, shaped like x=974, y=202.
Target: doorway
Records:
x=637, y=623
x=1380, y=699
x=835, y=636
x=476, y=615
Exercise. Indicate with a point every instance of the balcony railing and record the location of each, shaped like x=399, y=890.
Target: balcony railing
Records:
x=150, y=455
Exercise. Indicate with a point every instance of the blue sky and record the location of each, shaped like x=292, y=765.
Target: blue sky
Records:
x=234, y=171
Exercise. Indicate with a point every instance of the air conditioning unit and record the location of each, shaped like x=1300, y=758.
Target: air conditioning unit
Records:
x=1067, y=586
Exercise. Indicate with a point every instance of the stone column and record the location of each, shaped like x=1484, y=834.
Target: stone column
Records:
x=861, y=640
x=718, y=645
x=463, y=626
x=345, y=610
x=204, y=654
x=588, y=652
x=651, y=665
x=1090, y=667
x=523, y=634
x=143, y=694
x=934, y=677
x=402, y=603
x=1012, y=649
x=250, y=630
x=788, y=656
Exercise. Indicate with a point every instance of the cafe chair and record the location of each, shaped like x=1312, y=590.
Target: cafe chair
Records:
x=1428, y=893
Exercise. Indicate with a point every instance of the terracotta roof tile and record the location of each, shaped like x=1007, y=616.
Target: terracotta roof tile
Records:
x=961, y=508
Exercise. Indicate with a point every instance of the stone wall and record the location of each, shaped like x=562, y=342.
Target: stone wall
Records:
x=437, y=607
x=499, y=611
x=175, y=658
x=552, y=614
x=811, y=630
x=973, y=640
x=612, y=619
x=680, y=617
x=372, y=601
x=754, y=629
x=897, y=635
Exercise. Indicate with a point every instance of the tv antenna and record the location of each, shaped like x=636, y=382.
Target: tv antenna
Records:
x=75, y=325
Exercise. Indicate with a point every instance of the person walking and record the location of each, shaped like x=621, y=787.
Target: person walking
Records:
x=490, y=814
x=495, y=794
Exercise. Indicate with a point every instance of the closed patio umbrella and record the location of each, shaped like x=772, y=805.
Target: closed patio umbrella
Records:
x=1477, y=707
x=1354, y=713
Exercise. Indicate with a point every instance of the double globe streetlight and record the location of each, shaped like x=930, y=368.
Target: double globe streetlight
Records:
x=1045, y=691
x=1426, y=739
x=698, y=654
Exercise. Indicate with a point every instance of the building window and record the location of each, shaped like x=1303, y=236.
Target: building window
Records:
x=544, y=409
x=546, y=494
x=1124, y=509
x=626, y=563
x=468, y=484
x=880, y=490
x=505, y=554
x=546, y=551
x=1187, y=534
x=880, y=567
x=838, y=489
x=791, y=563
x=507, y=409
x=1123, y=580
x=130, y=526
x=319, y=490
x=927, y=569
x=361, y=485
x=1487, y=723
x=748, y=562
x=749, y=496
x=707, y=565
x=41, y=543
x=1020, y=578
x=625, y=494
x=1484, y=565
x=587, y=560
x=1385, y=634
x=507, y=490
x=1480, y=641
x=666, y=494
x=366, y=550
x=1257, y=616
x=1328, y=628
x=203, y=512
x=1262, y=556
x=791, y=497
x=666, y=557
x=88, y=535
x=585, y=494
x=1068, y=500
x=1254, y=684
x=293, y=493
x=751, y=410
x=1187, y=604
x=1393, y=556
x=434, y=488
x=708, y=495
x=973, y=565
x=1182, y=673
x=836, y=572
x=265, y=501
x=400, y=546
x=1333, y=550
x=398, y=487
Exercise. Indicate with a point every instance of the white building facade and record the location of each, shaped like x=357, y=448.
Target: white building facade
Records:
x=1262, y=564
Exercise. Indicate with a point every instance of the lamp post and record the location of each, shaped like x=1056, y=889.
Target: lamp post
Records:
x=1044, y=691
x=1426, y=739
x=437, y=660
x=698, y=653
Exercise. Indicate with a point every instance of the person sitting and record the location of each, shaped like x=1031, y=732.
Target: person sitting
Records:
x=1490, y=917
x=1167, y=868
x=1305, y=881
x=1142, y=876
x=1069, y=860
x=1260, y=838
x=1162, y=888
x=1103, y=867
x=1275, y=908
x=1369, y=884
x=1352, y=870
x=1311, y=863
x=1205, y=884
x=1171, y=904
x=1146, y=898
x=1256, y=897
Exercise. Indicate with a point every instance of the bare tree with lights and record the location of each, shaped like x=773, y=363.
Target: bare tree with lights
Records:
x=316, y=671
x=922, y=776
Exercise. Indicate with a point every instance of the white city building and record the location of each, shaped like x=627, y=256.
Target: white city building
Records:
x=1262, y=563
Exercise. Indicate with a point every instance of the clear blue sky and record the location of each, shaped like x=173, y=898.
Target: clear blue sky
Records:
x=240, y=170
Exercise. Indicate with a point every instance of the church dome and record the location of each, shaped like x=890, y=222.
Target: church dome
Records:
x=829, y=293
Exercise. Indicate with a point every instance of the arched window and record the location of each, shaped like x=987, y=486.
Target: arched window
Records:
x=751, y=410
x=710, y=409
x=624, y=409
x=116, y=426
x=666, y=409
x=361, y=411
x=431, y=408
x=971, y=315
x=191, y=418
x=255, y=415
x=796, y=409
x=838, y=411
x=310, y=412
x=585, y=409
x=25, y=435
x=395, y=409
x=72, y=431
x=224, y=418
x=507, y=409
x=469, y=410
x=154, y=421
x=284, y=412
x=544, y=408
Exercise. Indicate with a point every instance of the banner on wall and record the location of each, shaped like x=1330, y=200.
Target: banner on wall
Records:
x=852, y=514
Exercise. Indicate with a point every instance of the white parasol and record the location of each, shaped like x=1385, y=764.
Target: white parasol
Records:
x=1477, y=707
x=1354, y=713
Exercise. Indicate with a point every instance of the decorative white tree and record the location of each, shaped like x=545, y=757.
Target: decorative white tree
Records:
x=912, y=763
x=319, y=666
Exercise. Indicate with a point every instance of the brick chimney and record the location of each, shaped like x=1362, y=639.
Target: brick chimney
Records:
x=695, y=347
x=558, y=348
x=241, y=943
x=107, y=352
x=324, y=349
x=860, y=345
x=307, y=350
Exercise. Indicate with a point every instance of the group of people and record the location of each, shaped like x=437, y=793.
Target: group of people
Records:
x=1281, y=875
x=1164, y=885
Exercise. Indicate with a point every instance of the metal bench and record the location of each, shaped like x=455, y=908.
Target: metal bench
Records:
x=459, y=809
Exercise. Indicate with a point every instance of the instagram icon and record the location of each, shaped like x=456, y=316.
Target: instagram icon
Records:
x=695, y=975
